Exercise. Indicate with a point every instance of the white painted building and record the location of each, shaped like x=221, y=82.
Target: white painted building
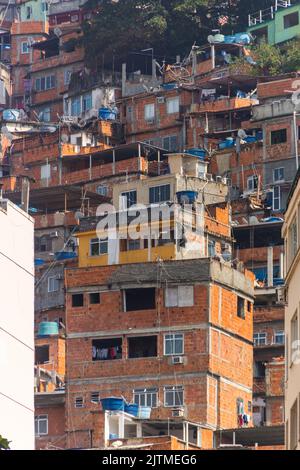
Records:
x=16, y=326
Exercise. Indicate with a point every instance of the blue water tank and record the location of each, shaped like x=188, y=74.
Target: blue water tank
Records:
x=63, y=255
x=107, y=114
x=131, y=409
x=48, y=328
x=39, y=262
x=187, y=197
x=113, y=404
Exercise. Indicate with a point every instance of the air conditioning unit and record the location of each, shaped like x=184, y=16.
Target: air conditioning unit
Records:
x=53, y=234
x=177, y=360
x=160, y=99
x=178, y=412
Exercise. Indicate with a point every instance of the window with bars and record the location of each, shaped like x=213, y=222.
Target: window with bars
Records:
x=79, y=402
x=95, y=397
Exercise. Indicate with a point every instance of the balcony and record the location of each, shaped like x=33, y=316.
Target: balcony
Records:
x=222, y=105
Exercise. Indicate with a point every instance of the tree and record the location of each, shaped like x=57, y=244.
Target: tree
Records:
x=4, y=443
x=292, y=56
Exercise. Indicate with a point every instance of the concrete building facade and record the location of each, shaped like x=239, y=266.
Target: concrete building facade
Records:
x=16, y=326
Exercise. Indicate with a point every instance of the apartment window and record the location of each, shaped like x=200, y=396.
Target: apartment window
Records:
x=142, y=346
x=159, y=194
x=94, y=298
x=211, y=248
x=170, y=143
x=133, y=245
x=77, y=300
x=279, y=337
x=139, y=299
x=174, y=344
x=53, y=284
x=252, y=183
x=45, y=114
x=278, y=137
x=276, y=198
x=129, y=198
x=293, y=239
x=241, y=307
x=24, y=47
x=28, y=13
x=67, y=76
x=291, y=20
x=98, y=247
x=45, y=172
x=76, y=106
x=44, y=7
x=260, y=339
x=259, y=369
x=294, y=337
x=146, y=397
x=173, y=105
x=95, y=397
x=278, y=175
x=41, y=425
x=179, y=296
x=43, y=244
x=87, y=102
x=45, y=83
x=149, y=112
x=79, y=402
x=102, y=190
x=108, y=349
x=173, y=396
x=294, y=426
x=41, y=354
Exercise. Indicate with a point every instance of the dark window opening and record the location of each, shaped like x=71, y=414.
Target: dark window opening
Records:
x=41, y=354
x=259, y=369
x=241, y=307
x=278, y=137
x=107, y=349
x=261, y=34
x=139, y=299
x=249, y=304
x=143, y=346
x=94, y=298
x=291, y=20
x=77, y=300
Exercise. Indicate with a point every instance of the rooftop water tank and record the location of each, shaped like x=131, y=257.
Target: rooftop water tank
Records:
x=48, y=328
x=187, y=197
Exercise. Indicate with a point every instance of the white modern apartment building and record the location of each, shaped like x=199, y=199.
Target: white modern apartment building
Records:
x=291, y=234
x=16, y=326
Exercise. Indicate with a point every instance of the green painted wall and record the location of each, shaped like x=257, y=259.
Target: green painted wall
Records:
x=276, y=31
x=37, y=10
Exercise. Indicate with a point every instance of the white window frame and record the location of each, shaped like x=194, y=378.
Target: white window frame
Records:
x=173, y=105
x=281, y=170
x=172, y=338
x=100, y=243
x=37, y=420
x=46, y=171
x=176, y=292
x=174, y=390
x=276, y=203
x=280, y=334
x=94, y=400
x=76, y=405
x=102, y=190
x=149, y=111
x=147, y=393
x=52, y=280
x=251, y=186
x=24, y=47
x=260, y=339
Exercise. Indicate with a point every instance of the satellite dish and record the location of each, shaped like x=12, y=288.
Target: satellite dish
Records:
x=242, y=134
x=57, y=32
x=64, y=138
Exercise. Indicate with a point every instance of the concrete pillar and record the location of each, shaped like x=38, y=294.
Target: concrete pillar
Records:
x=282, y=265
x=121, y=425
x=270, y=266
x=124, y=67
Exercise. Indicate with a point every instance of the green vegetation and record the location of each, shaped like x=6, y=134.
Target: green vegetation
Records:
x=4, y=443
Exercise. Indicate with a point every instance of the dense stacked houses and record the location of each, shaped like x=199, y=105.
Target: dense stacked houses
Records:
x=168, y=319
